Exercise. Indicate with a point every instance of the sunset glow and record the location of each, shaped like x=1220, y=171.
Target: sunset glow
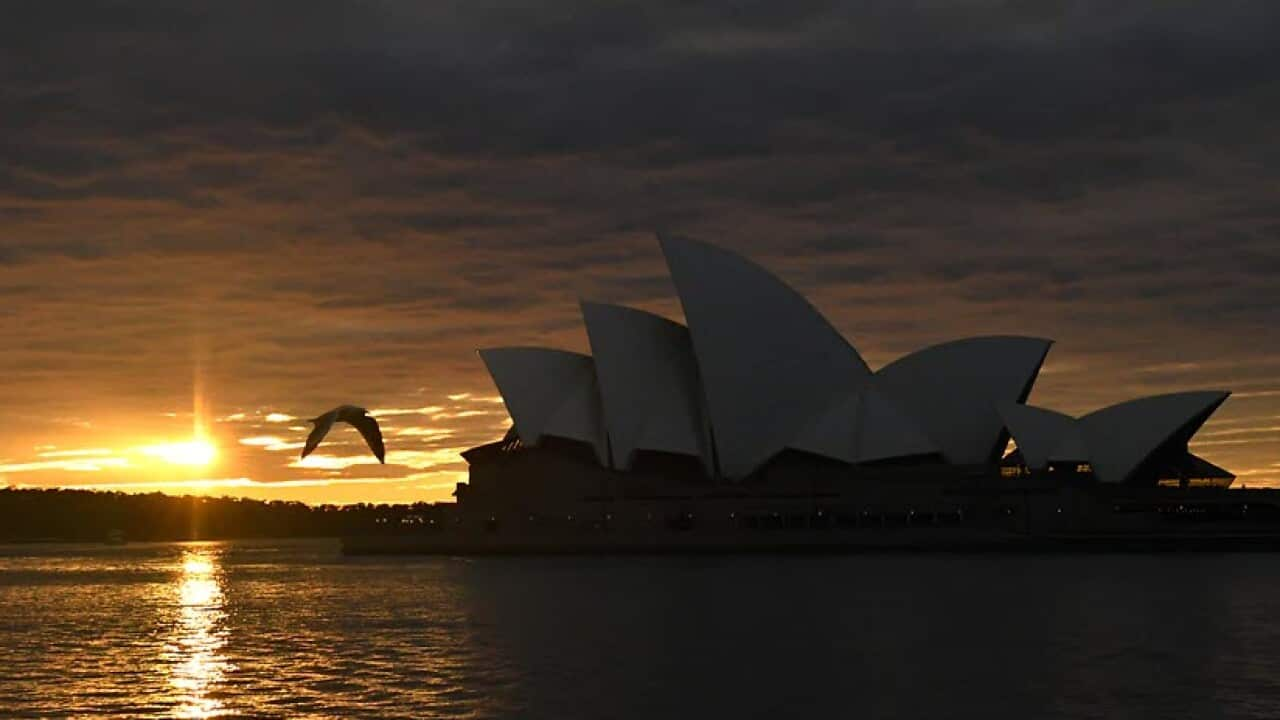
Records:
x=631, y=359
x=240, y=246
x=195, y=645
x=196, y=453
x=254, y=453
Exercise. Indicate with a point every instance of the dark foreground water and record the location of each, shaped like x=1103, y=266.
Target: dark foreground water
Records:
x=295, y=630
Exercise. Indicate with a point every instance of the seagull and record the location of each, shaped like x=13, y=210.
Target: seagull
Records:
x=357, y=417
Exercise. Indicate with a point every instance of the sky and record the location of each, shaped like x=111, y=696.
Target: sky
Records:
x=216, y=221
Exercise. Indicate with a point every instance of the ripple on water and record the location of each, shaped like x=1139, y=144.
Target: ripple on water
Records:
x=294, y=630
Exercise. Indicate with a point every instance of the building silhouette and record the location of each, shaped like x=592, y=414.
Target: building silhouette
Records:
x=759, y=416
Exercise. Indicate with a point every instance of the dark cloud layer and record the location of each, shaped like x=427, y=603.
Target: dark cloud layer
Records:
x=323, y=201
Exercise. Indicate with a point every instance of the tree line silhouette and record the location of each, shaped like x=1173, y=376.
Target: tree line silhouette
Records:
x=32, y=515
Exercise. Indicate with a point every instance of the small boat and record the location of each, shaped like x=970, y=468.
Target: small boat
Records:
x=115, y=537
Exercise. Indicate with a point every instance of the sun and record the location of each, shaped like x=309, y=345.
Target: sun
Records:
x=194, y=453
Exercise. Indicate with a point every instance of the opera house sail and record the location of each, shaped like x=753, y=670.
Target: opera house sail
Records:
x=758, y=417
x=1133, y=442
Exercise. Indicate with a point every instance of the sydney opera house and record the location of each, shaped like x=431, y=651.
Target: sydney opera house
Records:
x=759, y=415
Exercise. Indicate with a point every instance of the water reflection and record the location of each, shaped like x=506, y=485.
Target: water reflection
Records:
x=193, y=651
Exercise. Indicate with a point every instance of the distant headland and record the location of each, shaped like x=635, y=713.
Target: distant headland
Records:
x=58, y=515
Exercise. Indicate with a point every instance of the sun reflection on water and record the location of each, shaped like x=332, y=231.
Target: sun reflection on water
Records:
x=193, y=650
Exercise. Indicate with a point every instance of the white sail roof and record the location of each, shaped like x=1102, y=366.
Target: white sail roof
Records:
x=885, y=431
x=1071, y=447
x=833, y=432
x=1039, y=432
x=863, y=426
x=1121, y=437
x=759, y=370
x=648, y=383
x=549, y=392
x=770, y=363
x=953, y=390
x=1115, y=440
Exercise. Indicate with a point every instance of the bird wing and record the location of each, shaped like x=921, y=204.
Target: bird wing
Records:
x=368, y=427
x=322, y=425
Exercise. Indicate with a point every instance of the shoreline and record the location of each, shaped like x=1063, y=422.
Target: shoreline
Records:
x=814, y=544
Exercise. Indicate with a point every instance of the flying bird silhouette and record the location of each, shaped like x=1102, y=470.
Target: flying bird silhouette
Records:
x=357, y=417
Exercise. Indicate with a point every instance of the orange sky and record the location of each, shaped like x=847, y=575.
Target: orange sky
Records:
x=256, y=454
x=96, y=422
x=279, y=208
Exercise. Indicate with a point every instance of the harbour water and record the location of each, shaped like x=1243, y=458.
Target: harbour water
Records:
x=297, y=630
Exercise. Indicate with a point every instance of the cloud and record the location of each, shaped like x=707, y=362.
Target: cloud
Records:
x=300, y=205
